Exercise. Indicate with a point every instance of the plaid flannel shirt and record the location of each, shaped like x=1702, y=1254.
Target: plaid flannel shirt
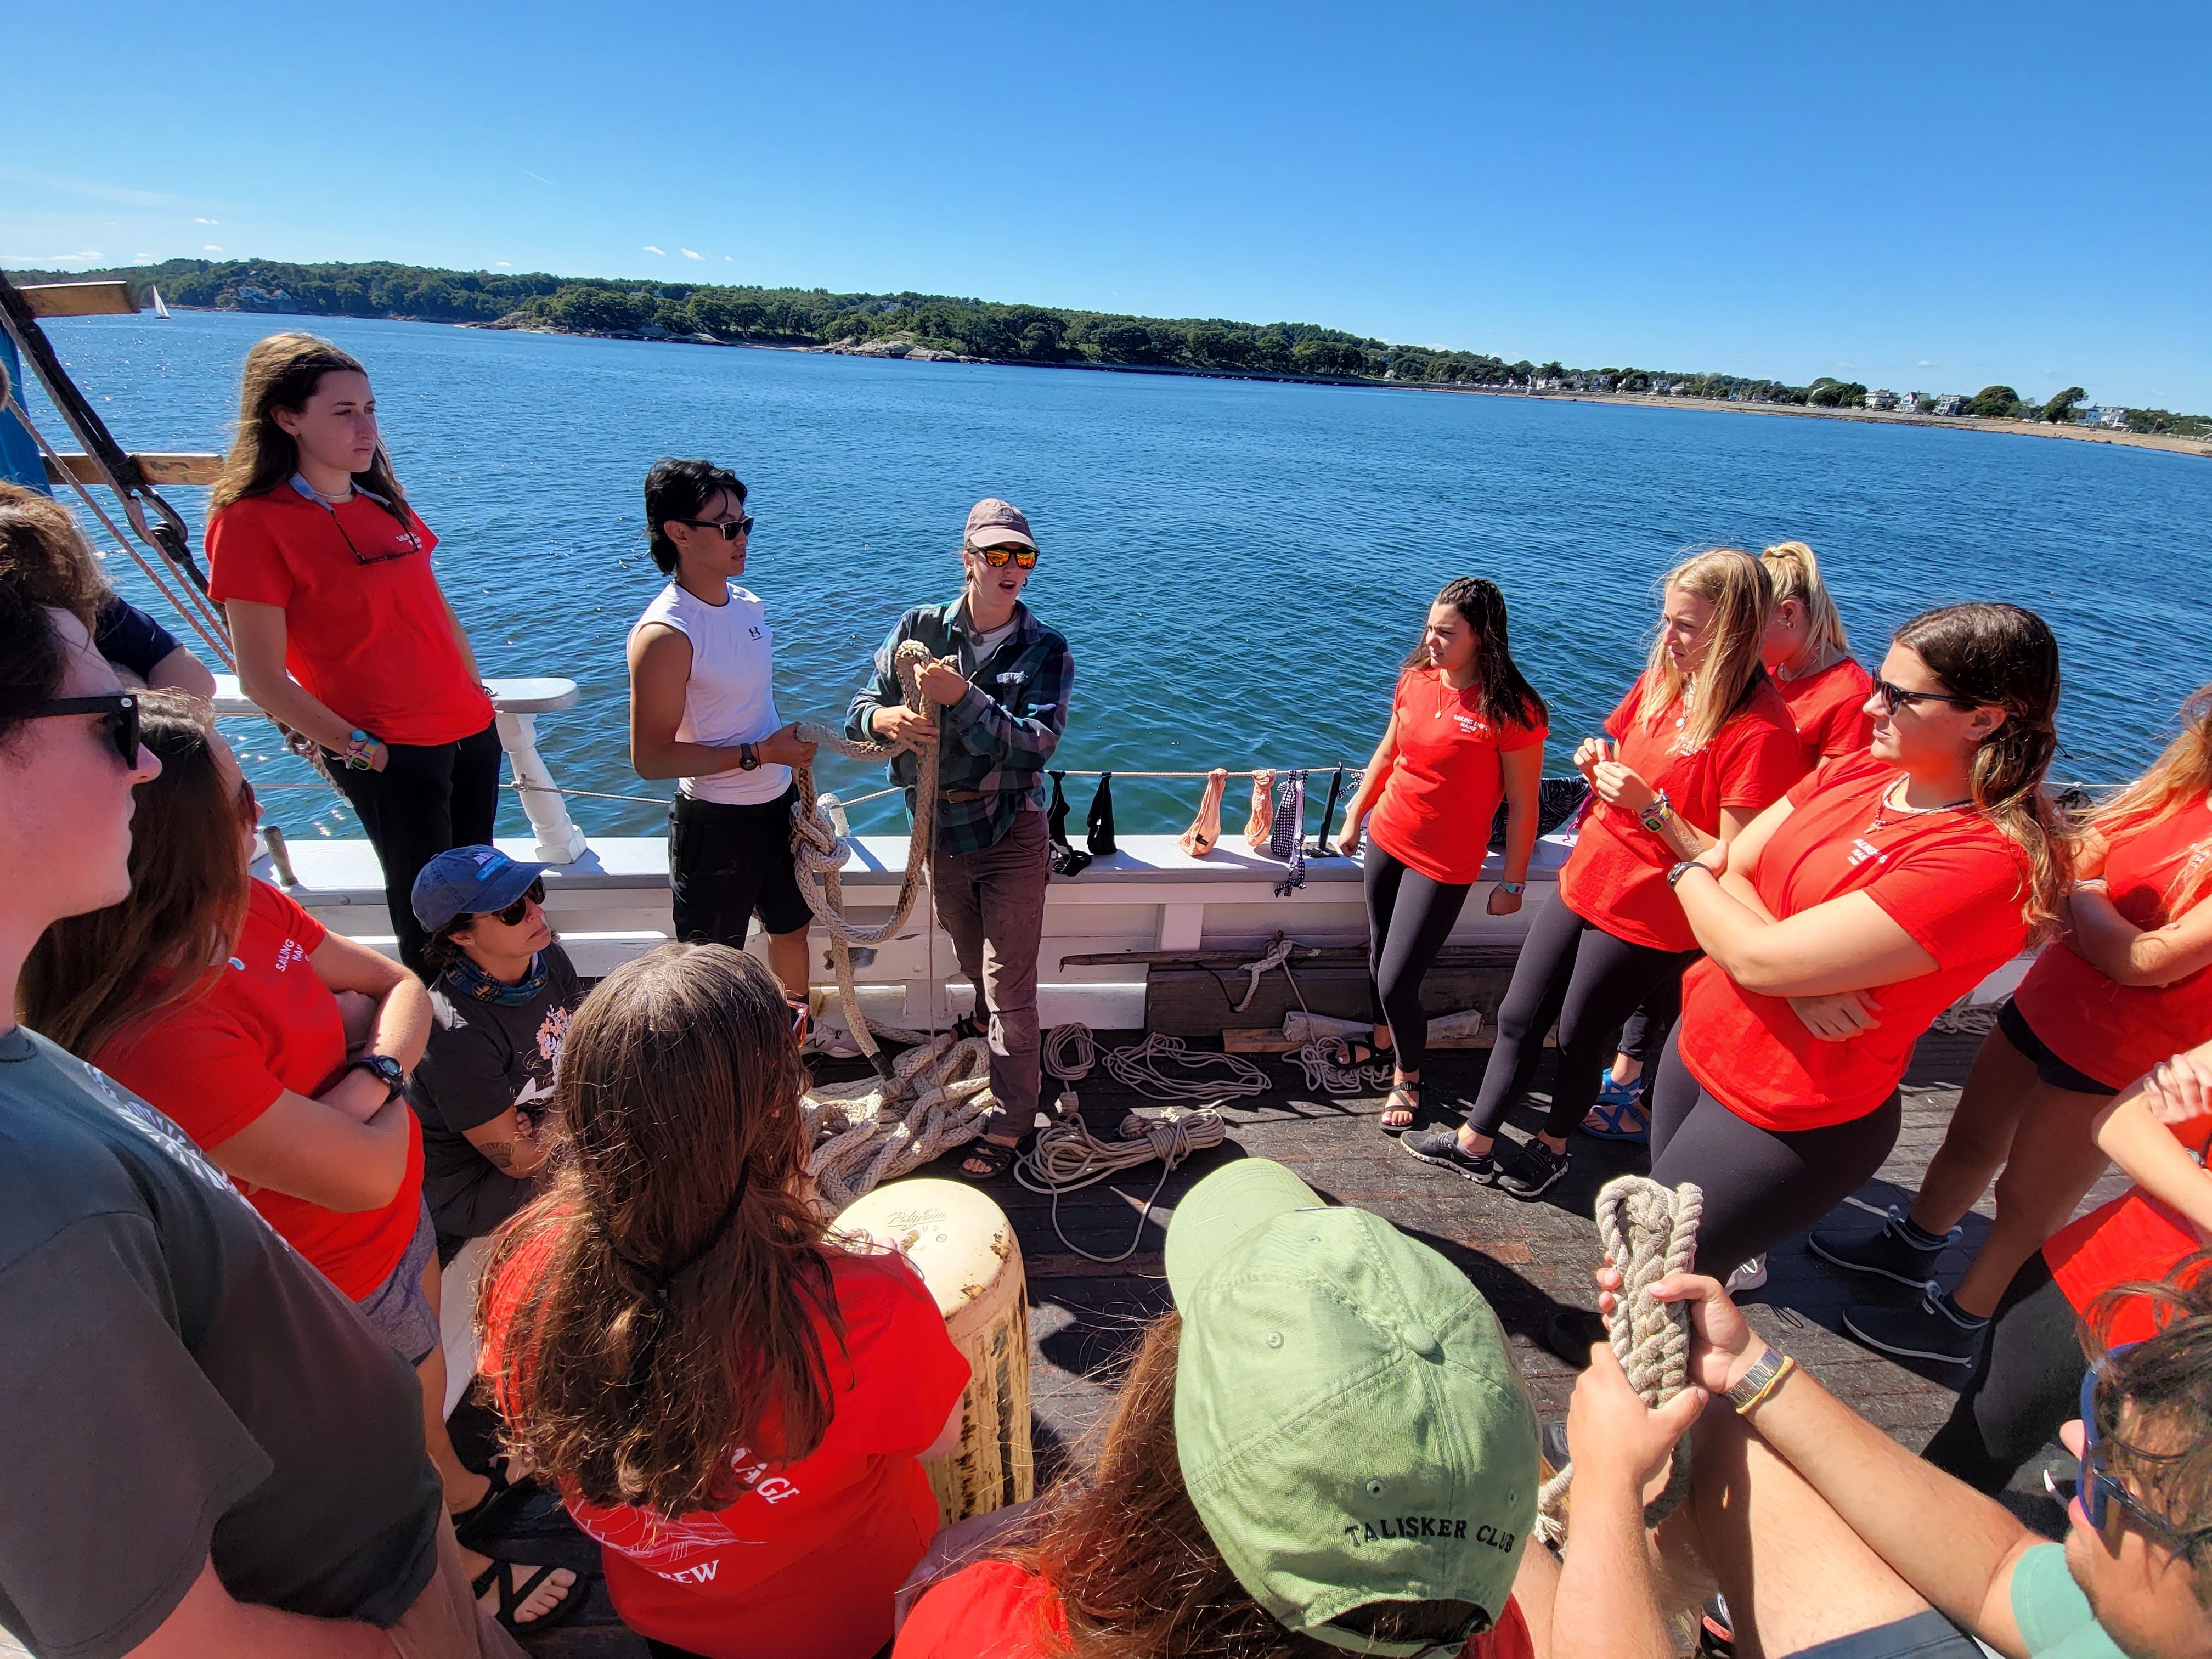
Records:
x=997, y=739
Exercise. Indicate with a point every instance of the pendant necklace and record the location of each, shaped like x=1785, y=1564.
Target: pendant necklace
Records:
x=1882, y=803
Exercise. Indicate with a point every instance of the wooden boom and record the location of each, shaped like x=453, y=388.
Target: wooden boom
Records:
x=190, y=469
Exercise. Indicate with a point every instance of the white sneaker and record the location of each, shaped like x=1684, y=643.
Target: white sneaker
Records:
x=1751, y=1276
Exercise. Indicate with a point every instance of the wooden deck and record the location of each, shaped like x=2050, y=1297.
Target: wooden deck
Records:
x=1528, y=1259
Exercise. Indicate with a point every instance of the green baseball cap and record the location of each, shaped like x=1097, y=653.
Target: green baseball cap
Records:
x=1350, y=1425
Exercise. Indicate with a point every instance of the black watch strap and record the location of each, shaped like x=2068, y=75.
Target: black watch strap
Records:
x=748, y=758
x=386, y=1071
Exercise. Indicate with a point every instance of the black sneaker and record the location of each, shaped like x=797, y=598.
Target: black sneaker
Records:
x=1932, y=1330
x=1535, y=1170
x=1888, y=1254
x=1441, y=1147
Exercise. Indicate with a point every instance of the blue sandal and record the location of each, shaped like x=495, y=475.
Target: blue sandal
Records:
x=1619, y=1115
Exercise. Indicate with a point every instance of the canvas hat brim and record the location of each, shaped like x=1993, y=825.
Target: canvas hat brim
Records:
x=1224, y=1208
x=999, y=535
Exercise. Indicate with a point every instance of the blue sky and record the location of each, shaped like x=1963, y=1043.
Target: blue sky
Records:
x=1927, y=196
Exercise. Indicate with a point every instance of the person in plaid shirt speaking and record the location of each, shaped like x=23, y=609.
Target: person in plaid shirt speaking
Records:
x=994, y=721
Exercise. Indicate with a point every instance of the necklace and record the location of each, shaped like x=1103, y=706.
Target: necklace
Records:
x=1883, y=803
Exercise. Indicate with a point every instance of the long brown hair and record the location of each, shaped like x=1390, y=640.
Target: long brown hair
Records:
x=1742, y=594
x=1135, y=1568
x=2177, y=780
x=2006, y=657
x=46, y=555
x=89, y=977
x=665, y=1281
x=1506, y=697
x=282, y=372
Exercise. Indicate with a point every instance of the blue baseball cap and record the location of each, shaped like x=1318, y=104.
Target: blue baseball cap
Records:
x=469, y=881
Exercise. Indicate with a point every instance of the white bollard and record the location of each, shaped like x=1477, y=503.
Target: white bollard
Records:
x=559, y=840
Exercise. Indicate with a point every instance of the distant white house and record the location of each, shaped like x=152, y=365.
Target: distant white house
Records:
x=1915, y=403
x=1951, y=402
x=2105, y=416
x=1882, y=399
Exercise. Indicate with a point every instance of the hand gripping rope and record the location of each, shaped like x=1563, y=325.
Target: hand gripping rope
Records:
x=1647, y=1232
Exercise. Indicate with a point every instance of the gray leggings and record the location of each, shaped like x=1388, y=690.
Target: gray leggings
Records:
x=1760, y=1185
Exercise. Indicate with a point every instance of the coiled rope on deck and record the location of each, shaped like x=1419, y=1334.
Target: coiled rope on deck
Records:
x=1648, y=1231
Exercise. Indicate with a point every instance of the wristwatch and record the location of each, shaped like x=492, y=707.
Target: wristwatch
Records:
x=1764, y=1375
x=1516, y=888
x=1675, y=876
x=748, y=759
x=386, y=1071
x=358, y=744
x=1654, y=817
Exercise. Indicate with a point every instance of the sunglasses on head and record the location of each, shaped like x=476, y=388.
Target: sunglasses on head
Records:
x=1893, y=696
x=2100, y=1491
x=513, y=914
x=730, y=528
x=1023, y=558
x=121, y=721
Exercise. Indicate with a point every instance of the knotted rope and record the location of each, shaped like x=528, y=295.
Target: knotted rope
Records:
x=1067, y=1156
x=1647, y=1232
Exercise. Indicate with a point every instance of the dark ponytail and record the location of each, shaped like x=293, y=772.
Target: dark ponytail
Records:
x=1505, y=696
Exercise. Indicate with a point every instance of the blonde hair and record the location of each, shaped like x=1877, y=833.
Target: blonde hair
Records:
x=1794, y=570
x=2177, y=780
x=1742, y=594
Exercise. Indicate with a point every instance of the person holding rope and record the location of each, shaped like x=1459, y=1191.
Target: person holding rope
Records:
x=1465, y=729
x=732, y=1400
x=702, y=711
x=1699, y=746
x=342, y=632
x=996, y=700
x=2127, y=983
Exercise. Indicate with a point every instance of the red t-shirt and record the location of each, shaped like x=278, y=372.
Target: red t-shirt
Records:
x=217, y=1063
x=996, y=1610
x=372, y=642
x=2115, y=1033
x=1617, y=876
x=806, y=1564
x=1829, y=710
x=2133, y=1238
x=1446, y=780
x=1950, y=879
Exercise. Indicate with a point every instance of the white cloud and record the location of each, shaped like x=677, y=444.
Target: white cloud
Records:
x=501, y=264
x=35, y=260
x=1924, y=363
x=689, y=254
x=727, y=260
x=209, y=248
x=207, y=221
x=662, y=252
x=539, y=177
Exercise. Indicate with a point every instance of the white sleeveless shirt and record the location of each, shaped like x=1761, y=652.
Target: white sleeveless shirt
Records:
x=731, y=697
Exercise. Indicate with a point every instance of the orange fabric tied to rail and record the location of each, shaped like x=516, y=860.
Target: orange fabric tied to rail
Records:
x=1206, y=828
x=1261, y=824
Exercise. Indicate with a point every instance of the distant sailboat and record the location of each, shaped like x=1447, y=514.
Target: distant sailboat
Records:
x=160, y=310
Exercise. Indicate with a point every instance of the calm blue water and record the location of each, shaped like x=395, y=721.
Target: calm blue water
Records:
x=1238, y=566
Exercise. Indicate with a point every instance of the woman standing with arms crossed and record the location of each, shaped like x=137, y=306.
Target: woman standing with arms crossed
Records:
x=1703, y=742
x=1851, y=914
x=2129, y=983
x=1464, y=729
x=341, y=631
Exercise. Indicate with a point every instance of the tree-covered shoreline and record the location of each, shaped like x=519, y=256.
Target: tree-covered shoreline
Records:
x=967, y=328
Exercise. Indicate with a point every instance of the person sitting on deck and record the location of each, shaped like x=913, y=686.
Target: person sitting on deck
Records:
x=1826, y=1537
x=1325, y=1448
x=215, y=997
x=500, y=1008
x=996, y=703
x=733, y=1401
x=208, y=1451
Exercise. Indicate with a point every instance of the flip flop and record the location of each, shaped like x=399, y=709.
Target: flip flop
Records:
x=513, y=1595
x=1001, y=1157
x=503, y=1496
x=1411, y=1104
x=1622, y=1120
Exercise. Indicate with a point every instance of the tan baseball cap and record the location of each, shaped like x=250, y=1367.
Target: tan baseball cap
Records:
x=994, y=523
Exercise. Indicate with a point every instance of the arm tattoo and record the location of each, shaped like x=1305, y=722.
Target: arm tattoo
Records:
x=501, y=1154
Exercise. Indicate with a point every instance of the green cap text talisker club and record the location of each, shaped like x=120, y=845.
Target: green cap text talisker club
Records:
x=1351, y=1426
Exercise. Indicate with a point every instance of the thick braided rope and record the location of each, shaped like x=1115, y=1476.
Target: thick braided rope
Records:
x=1647, y=1232
x=869, y=1133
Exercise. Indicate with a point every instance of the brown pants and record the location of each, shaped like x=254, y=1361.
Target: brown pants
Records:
x=990, y=902
x=445, y=1622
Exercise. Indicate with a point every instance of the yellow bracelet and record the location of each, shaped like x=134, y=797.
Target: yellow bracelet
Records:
x=1788, y=1364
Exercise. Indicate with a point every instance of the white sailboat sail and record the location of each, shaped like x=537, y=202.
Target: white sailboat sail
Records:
x=160, y=310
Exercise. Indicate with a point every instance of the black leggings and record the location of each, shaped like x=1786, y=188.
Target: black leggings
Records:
x=428, y=798
x=1760, y=1185
x=1409, y=915
x=1575, y=972
x=2027, y=1384
x=1644, y=1039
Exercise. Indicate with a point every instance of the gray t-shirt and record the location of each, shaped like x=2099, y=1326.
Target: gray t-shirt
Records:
x=177, y=1383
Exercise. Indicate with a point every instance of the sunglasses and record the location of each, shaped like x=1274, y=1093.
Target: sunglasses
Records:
x=2100, y=1491
x=513, y=914
x=1893, y=696
x=730, y=528
x=120, y=709
x=1024, y=558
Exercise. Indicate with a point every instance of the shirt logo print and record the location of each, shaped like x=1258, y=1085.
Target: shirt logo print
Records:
x=754, y=632
x=1862, y=849
x=288, y=953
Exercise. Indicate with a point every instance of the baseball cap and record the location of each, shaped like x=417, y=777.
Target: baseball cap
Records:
x=994, y=523
x=469, y=881
x=1350, y=1425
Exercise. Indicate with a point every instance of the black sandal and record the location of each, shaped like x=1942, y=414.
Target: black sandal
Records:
x=998, y=1154
x=1412, y=1091
x=513, y=1595
x=504, y=1494
x=967, y=1026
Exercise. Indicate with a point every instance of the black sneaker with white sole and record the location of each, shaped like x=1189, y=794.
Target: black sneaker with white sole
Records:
x=1441, y=1147
x=1535, y=1170
x=1933, y=1329
x=1893, y=1252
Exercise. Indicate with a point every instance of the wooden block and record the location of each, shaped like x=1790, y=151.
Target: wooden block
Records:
x=79, y=300
x=177, y=469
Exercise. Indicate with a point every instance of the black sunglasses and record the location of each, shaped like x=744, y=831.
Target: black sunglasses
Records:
x=120, y=707
x=730, y=528
x=1024, y=557
x=1891, y=696
x=413, y=544
x=513, y=914
x=2100, y=1491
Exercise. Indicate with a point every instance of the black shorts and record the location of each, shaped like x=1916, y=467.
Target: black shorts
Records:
x=2049, y=1068
x=728, y=863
